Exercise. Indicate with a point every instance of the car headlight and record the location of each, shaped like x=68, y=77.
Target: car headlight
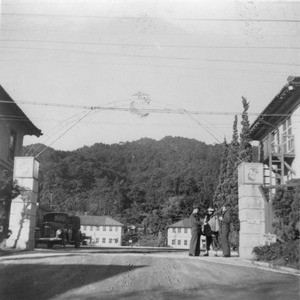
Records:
x=58, y=232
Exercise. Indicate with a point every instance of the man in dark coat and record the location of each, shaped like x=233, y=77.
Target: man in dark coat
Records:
x=225, y=228
x=196, y=232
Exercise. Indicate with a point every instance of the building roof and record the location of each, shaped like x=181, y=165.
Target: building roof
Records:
x=99, y=221
x=277, y=110
x=10, y=111
x=184, y=223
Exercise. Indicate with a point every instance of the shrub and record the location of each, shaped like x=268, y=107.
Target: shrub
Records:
x=284, y=253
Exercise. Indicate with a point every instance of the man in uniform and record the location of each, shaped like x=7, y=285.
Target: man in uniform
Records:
x=225, y=228
x=196, y=232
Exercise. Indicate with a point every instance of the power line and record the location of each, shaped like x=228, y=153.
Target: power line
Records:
x=235, y=69
x=149, y=110
x=146, y=56
x=64, y=132
x=155, y=18
x=151, y=45
x=252, y=62
x=211, y=34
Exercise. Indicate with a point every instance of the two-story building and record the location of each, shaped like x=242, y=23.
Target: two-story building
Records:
x=14, y=125
x=102, y=230
x=277, y=129
x=179, y=235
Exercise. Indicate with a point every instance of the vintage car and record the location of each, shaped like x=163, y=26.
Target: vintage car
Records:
x=59, y=228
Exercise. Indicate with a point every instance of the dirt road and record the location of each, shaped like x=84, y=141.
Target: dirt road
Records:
x=98, y=275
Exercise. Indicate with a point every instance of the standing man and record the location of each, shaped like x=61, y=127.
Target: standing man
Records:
x=196, y=232
x=225, y=228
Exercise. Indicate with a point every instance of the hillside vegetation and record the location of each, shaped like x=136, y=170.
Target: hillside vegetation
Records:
x=148, y=183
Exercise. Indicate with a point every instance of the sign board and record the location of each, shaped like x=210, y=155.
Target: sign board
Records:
x=253, y=221
x=269, y=238
x=250, y=173
x=26, y=167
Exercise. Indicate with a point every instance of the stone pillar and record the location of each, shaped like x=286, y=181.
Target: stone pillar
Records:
x=251, y=208
x=23, y=207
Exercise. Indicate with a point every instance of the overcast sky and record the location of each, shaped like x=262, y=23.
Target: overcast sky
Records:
x=199, y=56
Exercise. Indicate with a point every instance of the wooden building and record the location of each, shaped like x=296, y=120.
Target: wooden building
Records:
x=277, y=129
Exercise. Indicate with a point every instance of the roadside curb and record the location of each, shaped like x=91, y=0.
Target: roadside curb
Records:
x=10, y=251
x=273, y=267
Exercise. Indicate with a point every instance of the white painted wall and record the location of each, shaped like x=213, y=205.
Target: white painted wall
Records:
x=105, y=236
x=295, y=118
x=180, y=238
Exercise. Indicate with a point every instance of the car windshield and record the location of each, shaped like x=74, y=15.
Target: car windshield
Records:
x=55, y=218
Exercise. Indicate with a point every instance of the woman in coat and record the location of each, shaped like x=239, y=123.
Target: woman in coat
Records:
x=211, y=230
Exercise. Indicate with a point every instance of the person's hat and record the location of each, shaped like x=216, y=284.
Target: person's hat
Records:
x=210, y=209
x=195, y=205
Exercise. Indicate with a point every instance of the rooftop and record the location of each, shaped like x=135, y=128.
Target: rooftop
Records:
x=99, y=221
x=184, y=223
x=10, y=111
x=280, y=108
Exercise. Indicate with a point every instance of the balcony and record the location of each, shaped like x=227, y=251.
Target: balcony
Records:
x=273, y=148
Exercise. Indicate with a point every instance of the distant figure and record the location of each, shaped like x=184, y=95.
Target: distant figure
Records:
x=211, y=230
x=196, y=232
x=160, y=239
x=225, y=228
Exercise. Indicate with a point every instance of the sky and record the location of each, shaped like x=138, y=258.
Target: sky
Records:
x=87, y=71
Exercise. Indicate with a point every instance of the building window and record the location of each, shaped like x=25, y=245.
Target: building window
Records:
x=173, y=242
x=110, y=241
x=185, y=230
x=97, y=240
x=116, y=228
x=97, y=228
x=103, y=240
x=174, y=230
x=12, y=144
x=185, y=242
x=287, y=138
x=91, y=228
x=179, y=230
x=116, y=241
x=179, y=242
x=110, y=228
x=84, y=227
x=104, y=228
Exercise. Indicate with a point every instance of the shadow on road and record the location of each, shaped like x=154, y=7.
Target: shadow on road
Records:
x=25, y=281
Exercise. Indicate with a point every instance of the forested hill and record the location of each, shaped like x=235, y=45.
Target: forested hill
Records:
x=146, y=182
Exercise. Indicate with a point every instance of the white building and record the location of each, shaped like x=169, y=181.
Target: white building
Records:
x=179, y=235
x=103, y=230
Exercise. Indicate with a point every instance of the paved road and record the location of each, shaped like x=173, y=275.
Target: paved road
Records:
x=86, y=275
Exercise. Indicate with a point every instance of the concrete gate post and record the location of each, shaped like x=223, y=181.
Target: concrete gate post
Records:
x=251, y=208
x=23, y=207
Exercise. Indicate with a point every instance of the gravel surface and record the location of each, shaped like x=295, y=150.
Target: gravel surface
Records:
x=87, y=274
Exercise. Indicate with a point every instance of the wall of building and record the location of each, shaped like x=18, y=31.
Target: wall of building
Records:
x=106, y=236
x=6, y=163
x=180, y=238
x=295, y=118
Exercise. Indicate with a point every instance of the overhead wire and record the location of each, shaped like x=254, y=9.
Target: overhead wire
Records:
x=154, y=18
x=150, y=110
x=51, y=130
x=144, y=56
x=85, y=115
x=152, y=45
